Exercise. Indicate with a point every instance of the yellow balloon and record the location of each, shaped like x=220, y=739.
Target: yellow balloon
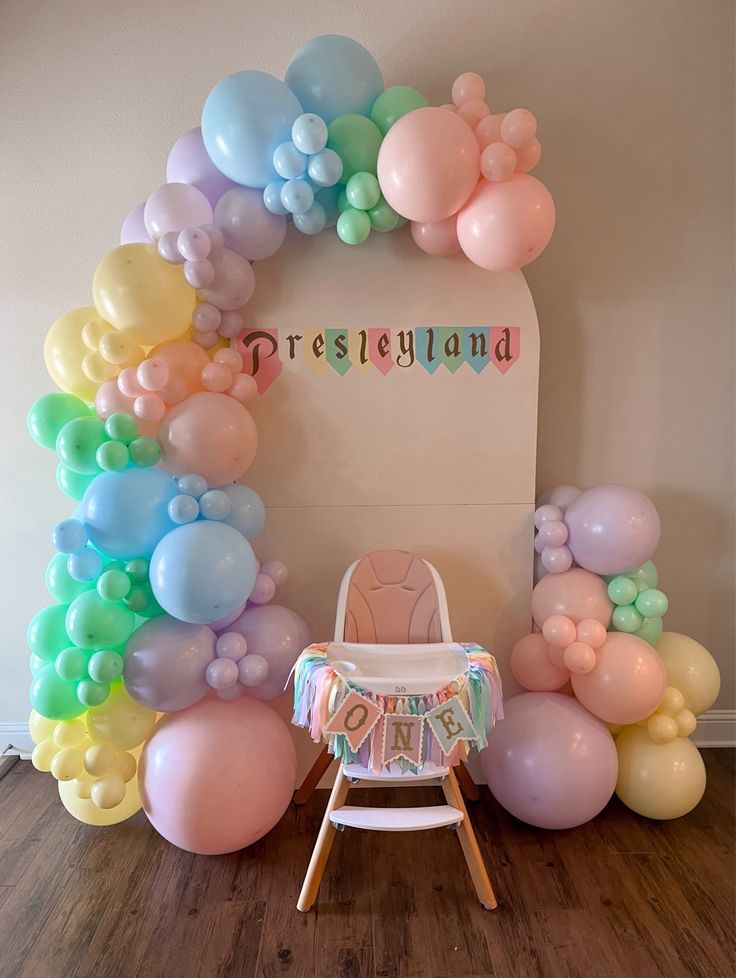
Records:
x=108, y=792
x=119, y=721
x=67, y=764
x=86, y=811
x=64, y=352
x=40, y=727
x=659, y=781
x=43, y=755
x=140, y=293
x=70, y=733
x=691, y=669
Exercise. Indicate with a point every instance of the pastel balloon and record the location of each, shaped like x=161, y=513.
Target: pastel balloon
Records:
x=690, y=668
x=166, y=663
x=247, y=227
x=627, y=682
x=120, y=721
x=137, y=291
x=558, y=630
x=133, y=230
x=660, y=781
x=93, y=623
x=218, y=801
x=64, y=350
x=549, y=762
x=233, y=284
x=612, y=529
x=85, y=810
x=332, y=75
x=247, y=512
x=202, y=572
x=277, y=634
x=436, y=238
x=245, y=117
x=185, y=361
x=50, y=413
x=428, y=165
x=506, y=225
x=531, y=666
x=209, y=433
x=394, y=103
x=188, y=162
x=560, y=496
x=54, y=697
x=109, y=399
x=577, y=594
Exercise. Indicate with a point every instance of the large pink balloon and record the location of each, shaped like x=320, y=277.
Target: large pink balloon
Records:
x=504, y=226
x=627, y=682
x=612, y=529
x=439, y=238
x=211, y=434
x=531, y=666
x=279, y=635
x=549, y=762
x=577, y=593
x=428, y=164
x=216, y=777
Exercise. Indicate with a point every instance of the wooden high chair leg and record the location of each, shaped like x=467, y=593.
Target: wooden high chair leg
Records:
x=468, y=787
x=469, y=844
x=322, y=847
x=306, y=789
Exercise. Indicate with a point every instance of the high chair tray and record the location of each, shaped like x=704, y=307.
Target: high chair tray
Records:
x=398, y=669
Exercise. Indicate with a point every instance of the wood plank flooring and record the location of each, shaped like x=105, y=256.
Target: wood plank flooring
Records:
x=619, y=897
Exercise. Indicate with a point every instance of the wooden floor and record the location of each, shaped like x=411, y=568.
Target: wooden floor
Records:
x=620, y=896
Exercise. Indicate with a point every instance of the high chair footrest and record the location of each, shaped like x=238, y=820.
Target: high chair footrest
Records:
x=393, y=775
x=397, y=819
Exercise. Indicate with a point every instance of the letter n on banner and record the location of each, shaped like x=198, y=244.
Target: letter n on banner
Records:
x=259, y=349
x=476, y=347
x=403, y=736
x=355, y=718
x=505, y=346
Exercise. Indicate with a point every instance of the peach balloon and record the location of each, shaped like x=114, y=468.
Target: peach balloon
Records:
x=627, y=683
x=428, y=164
x=504, y=226
x=559, y=630
x=488, y=130
x=184, y=359
x=531, y=666
x=109, y=399
x=577, y=593
x=211, y=434
x=436, y=238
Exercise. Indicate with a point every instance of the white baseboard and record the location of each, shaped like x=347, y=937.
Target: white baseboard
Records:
x=17, y=736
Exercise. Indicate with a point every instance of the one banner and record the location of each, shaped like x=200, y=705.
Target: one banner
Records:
x=355, y=718
x=403, y=736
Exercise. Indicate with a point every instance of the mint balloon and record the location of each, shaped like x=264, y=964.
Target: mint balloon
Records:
x=93, y=623
x=356, y=140
x=50, y=413
x=78, y=442
x=72, y=484
x=393, y=103
x=47, y=633
x=61, y=584
x=54, y=697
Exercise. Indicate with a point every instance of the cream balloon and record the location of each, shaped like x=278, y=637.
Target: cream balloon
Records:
x=661, y=781
x=64, y=351
x=690, y=668
x=87, y=811
x=120, y=721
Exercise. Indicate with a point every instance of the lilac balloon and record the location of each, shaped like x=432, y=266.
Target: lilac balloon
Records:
x=612, y=529
x=221, y=625
x=165, y=663
x=549, y=762
x=222, y=674
x=133, y=230
x=247, y=227
x=234, y=282
x=279, y=635
x=174, y=207
x=253, y=670
x=188, y=162
x=560, y=496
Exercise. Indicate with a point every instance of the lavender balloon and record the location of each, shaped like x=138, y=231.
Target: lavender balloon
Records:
x=188, y=162
x=133, y=230
x=278, y=635
x=165, y=663
x=612, y=529
x=247, y=227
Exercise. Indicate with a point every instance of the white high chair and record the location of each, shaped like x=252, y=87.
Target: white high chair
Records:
x=392, y=636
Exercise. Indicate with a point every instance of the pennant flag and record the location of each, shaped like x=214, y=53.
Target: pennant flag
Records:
x=358, y=350
x=336, y=350
x=403, y=736
x=451, y=349
x=450, y=723
x=426, y=348
x=259, y=349
x=291, y=350
x=476, y=347
x=314, y=349
x=379, y=349
x=505, y=346
x=355, y=717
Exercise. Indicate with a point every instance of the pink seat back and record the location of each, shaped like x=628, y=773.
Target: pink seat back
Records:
x=392, y=599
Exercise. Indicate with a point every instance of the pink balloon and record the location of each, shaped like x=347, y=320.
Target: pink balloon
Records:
x=528, y=157
x=467, y=87
x=549, y=762
x=263, y=590
x=497, y=162
x=613, y=529
x=279, y=635
x=558, y=630
x=627, y=683
x=556, y=560
x=437, y=238
x=560, y=496
x=109, y=399
x=212, y=434
x=428, y=164
x=243, y=388
x=577, y=593
x=473, y=111
x=216, y=377
x=189, y=162
x=133, y=230
x=153, y=374
x=176, y=206
x=184, y=359
x=277, y=571
x=579, y=657
x=233, y=284
x=149, y=407
x=218, y=776
x=504, y=226
x=518, y=128
x=488, y=130
x=531, y=666
x=247, y=227
x=591, y=632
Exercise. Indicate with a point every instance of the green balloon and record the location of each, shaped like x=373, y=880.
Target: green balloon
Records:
x=113, y=585
x=60, y=583
x=144, y=451
x=353, y=227
x=121, y=427
x=650, y=631
x=137, y=569
x=626, y=618
x=651, y=603
x=91, y=693
x=363, y=191
x=72, y=484
x=47, y=633
x=342, y=201
x=356, y=140
x=395, y=102
x=93, y=623
x=622, y=590
x=646, y=575
x=49, y=415
x=54, y=697
x=105, y=666
x=137, y=599
x=112, y=456
x=151, y=607
x=78, y=442
x=383, y=216
x=36, y=663
x=71, y=664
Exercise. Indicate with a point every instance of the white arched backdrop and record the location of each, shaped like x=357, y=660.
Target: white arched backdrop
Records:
x=634, y=293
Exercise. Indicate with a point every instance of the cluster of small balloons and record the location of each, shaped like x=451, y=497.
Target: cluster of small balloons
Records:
x=638, y=603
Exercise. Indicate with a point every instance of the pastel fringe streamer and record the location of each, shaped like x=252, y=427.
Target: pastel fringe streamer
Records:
x=319, y=690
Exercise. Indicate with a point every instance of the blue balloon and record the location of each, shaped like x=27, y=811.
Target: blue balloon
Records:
x=332, y=75
x=84, y=566
x=69, y=536
x=244, y=119
x=288, y=162
x=325, y=168
x=272, y=197
x=311, y=221
x=202, y=571
x=192, y=484
x=297, y=196
x=248, y=514
x=126, y=513
x=309, y=133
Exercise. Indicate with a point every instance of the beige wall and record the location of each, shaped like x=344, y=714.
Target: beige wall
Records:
x=634, y=296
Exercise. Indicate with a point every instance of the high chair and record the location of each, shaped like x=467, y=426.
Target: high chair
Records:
x=393, y=683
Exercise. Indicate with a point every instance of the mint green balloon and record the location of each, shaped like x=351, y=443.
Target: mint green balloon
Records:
x=152, y=607
x=626, y=618
x=383, y=216
x=363, y=191
x=342, y=201
x=91, y=693
x=144, y=451
x=646, y=574
x=47, y=633
x=121, y=427
x=622, y=590
x=71, y=664
x=650, y=630
x=651, y=603
x=50, y=413
x=105, y=666
x=137, y=569
x=112, y=456
x=72, y=484
x=353, y=227
x=394, y=102
x=113, y=585
x=54, y=697
x=60, y=583
x=78, y=442
x=36, y=663
x=356, y=140
x=93, y=623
